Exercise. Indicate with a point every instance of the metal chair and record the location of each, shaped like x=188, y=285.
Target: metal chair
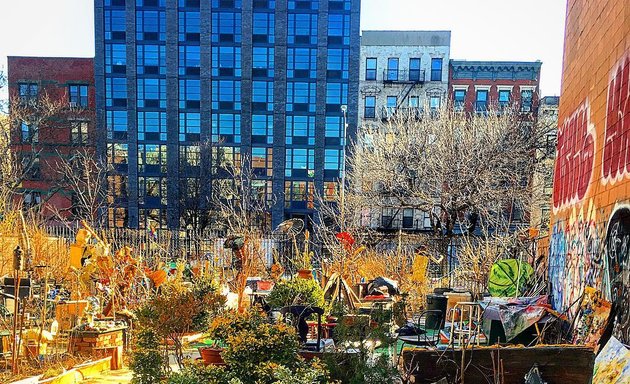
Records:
x=299, y=314
x=427, y=327
x=465, y=320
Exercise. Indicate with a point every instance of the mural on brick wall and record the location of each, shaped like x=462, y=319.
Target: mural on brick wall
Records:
x=589, y=241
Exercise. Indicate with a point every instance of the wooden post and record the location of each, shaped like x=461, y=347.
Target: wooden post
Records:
x=15, y=350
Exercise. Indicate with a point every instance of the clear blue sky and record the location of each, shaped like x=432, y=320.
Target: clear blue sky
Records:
x=481, y=29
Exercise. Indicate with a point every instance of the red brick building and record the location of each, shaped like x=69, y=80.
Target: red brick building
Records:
x=62, y=90
x=476, y=86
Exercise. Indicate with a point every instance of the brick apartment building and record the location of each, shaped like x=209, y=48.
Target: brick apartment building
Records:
x=476, y=86
x=68, y=84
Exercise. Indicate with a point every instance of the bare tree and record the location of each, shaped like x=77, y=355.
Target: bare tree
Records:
x=84, y=177
x=471, y=174
x=240, y=205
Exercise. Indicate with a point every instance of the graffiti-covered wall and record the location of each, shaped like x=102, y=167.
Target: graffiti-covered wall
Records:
x=590, y=224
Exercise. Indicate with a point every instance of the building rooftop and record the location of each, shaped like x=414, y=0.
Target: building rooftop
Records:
x=496, y=65
x=406, y=38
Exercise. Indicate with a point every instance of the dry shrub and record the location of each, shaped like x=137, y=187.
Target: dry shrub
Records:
x=408, y=269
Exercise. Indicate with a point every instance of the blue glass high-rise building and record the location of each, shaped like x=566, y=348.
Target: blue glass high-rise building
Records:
x=184, y=86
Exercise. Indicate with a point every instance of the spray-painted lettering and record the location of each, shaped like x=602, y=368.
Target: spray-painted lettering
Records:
x=616, y=160
x=574, y=164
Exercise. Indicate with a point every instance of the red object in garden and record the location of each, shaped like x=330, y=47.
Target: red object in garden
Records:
x=264, y=285
x=211, y=356
x=345, y=239
x=305, y=274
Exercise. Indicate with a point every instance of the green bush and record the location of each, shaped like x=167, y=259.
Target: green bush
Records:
x=259, y=352
x=296, y=292
x=146, y=359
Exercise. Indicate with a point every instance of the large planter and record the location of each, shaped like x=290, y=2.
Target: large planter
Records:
x=211, y=356
x=305, y=274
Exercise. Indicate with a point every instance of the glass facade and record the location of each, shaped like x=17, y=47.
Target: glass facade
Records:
x=212, y=78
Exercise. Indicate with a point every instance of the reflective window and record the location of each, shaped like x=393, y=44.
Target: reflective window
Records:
x=117, y=153
x=226, y=94
x=392, y=69
x=226, y=61
x=332, y=159
x=299, y=194
x=436, y=69
x=262, y=96
x=150, y=3
x=79, y=132
x=302, y=28
x=152, y=126
x=151, y=25
x=189, y=3
x=151, y=59
x=226, y=27
x=116, y=125
x=262, y=161
x=189, y=126
x=504, y=98
x=189, y=60
x=152, y=158
x=459, y=97
x=189, y=155
x=115, y=24
x=392, y=103
x=189, y=26
x=262, y=129
x=302, y=63
x=339, y=29
x=30, y=133
x=226, y=157
x=337, y=65
x=227, y=4
x=263, y=27
x=331, y=190
x=264, y=4
x=300, y=162
x=152, y=218
x=117, y=186
x=481, y=103
x=300, y=130
x=152, y=93
x=526, y=100
x=116, y=91
x=435, y=102
x=334, y=126
x=414, y=69
x=152, y=190
x=115, y=58
x=78, y=95
x=263, y=61
x=300, y=97
x=369, y=110
x=336, y=94
x=28, y=91
x=226, y=127
x=303, y=4
x=370, y=68
x=189, y=94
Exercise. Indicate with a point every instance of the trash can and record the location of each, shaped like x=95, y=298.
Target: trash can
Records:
x=435, y=302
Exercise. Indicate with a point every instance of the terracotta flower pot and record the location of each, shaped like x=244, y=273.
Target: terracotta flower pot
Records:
x=305, y=274
x=211, y=356
x=265, y=285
